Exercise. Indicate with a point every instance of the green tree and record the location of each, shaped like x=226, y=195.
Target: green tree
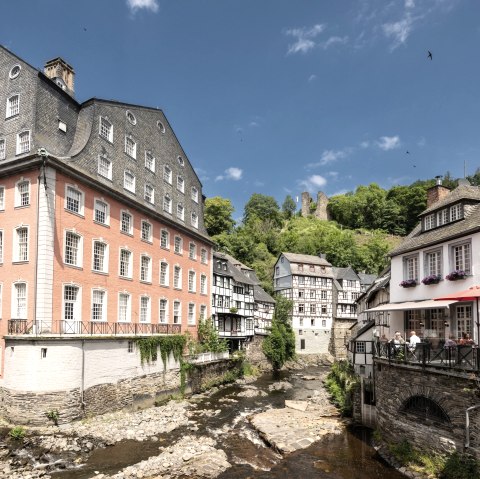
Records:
x=288, y=207
x=279, y=345
x=208, y=338
x=218, y=215
x=262, y=207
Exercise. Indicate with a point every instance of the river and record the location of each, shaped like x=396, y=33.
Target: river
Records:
x=223, y=416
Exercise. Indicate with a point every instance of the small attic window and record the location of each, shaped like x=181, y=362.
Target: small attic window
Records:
x=181, y=161
x=161, y=126
x=14, y=71
x=131, y=117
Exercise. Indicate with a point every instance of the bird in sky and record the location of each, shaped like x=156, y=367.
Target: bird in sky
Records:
x=407, y=152
x=430, y=55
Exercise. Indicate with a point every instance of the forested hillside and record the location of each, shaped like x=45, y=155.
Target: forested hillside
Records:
x=365, y=225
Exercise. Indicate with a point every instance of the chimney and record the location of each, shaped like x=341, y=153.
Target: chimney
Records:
x=437, y=192
x=60, y=72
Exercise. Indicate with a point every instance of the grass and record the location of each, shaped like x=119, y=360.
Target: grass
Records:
x=17, y=433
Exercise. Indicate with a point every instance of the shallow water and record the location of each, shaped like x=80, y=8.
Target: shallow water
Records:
x=345, y=456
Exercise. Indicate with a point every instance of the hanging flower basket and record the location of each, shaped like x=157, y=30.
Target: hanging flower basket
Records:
x=431, y=279
x=457, y=274
x=408, y=283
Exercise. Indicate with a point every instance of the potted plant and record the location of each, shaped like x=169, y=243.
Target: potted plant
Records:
x=456, y=274
x=431, y=279
x=408, y=283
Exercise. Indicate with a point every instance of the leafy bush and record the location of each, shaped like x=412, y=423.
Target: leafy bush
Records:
x=460, y=466
x=209, y=340
x=53, y=415
x=341, y=383
x=17, y=433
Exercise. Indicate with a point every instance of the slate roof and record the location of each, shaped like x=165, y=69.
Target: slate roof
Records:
x=363, y=329
x=470, y=223
x=232, y=271
x=367, y=279
x=345, y=273
x=260, y=294
x=306, y=259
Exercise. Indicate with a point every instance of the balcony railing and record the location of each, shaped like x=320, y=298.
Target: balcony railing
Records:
x=461, y=357
x=20, y=327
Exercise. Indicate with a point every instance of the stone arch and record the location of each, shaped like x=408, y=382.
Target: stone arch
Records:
x=425, y=408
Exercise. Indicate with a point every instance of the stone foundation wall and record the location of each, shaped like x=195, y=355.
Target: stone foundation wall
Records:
x=340, y=328
x=254, y=353
x=452, y=393
x=202, y=376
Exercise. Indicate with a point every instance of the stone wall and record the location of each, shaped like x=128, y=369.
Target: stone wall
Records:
x=203, y=376
x=453, y=393
x=340, y=329
x=254, y=353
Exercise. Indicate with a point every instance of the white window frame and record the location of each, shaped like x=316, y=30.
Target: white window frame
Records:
x=129, y=263
x=203, y=284
x=180, y=184
x=163, y=320
x=203, y=312
x=105, y=255
x=149, y=161
x=107, y=212
x=195, y=194
x=410, y=267
x=130, y=229
x=129, y=181
x=167, y=174
x=149, y=193
x=81, y=199
x=104, y=305
x=130, y=147
x=3, y=148
x=79, y=254
x=145, y=268
x=145, y=309
x=192, y=250
x=16, y=244
x=1, y=246
x=164, y=239
x=191, y=314
x=104, y=167
x=22, y=145
x=180, y=212
x=164, y=281
x=466, y=260
x=105, y=129
x=77, y=304
x=22, y=198
x=167, y=203
x=194, y=219
x=429, y=222
x=432, y=262
x=178, y=245
x=456, y=212
x=128, y=307
x=15, y=311
x=177, y=277
x=442, y=217
x=192, y=281
x=177, y=312
x=204, y=256
x=13, y=106
x=149, y=238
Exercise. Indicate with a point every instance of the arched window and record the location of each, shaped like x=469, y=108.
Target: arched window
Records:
x=425, y=408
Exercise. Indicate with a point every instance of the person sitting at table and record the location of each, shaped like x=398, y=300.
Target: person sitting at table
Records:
x=397, y=342
x=466, y=340
x=414, y=340
x=450, y=342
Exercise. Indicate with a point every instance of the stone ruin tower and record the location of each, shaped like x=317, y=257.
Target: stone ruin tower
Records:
x=321, y=209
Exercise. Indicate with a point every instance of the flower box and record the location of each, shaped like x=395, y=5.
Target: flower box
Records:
x=457, y=274
x=408, y=283
x=431, y=279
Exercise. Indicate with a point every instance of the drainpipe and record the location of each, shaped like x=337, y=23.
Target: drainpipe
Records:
x=467, y=424
x=82, y=384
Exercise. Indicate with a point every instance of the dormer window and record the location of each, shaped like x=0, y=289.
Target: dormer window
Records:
x=455, y=212
x=429, y=222
x=442, y=217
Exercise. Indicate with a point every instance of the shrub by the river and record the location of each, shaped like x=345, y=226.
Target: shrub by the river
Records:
x=17, y=433
x=341, y=383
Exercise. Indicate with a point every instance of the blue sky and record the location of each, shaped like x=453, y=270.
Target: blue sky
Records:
x=276, y=96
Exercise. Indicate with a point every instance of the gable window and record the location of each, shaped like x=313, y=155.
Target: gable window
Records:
x=149, y=161
x=165, y=239
x=99, y=305
x=2, y=149
x=192, y=251
x=101, y=213
x=124, y=308
x=23, y=142
x=20, y=251
x=145, y=311
x=177, y=277
x=72, y=249
x=178, y=245
x=203, y=256
x=104, y=167
x=163, y=308
x=14, y=72
x=191, y=281
x=461, y=257
x=180, y=211
x=100, y=257
x=126, y=223
x=125, y=263
x=13, y=106
x=106, y=129
x=145, y=269
x=455, y=212
x=167, y=174
x=167, y=203
x=163, y=273
x=191, y=313
x=360, y=347
x=177, y=312
x=429, y=222
x=19, y=301
x=146, y=231
x=130, y=147
x=442, y=217
x=410, y=264
x=23, y=193
x=195, y=194
x=74, y=200
x=180, y=184
x=129, y=181
x=433, y=263
x=180, y=161
x=149, y=194
x=194, y=219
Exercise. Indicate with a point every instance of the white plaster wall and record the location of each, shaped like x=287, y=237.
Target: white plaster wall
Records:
x=316, y=341
x=106, y=361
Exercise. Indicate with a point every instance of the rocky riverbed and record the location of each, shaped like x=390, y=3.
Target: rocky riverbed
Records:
x=182, y=438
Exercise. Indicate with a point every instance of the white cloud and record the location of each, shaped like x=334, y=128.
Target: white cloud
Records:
x=135, y=5
x=313, y=182
x=312, y=78
x=398, y=31
x=364, y=144
x=333, y=41
x=340, y=192
x=387, y=143
x=422, y=142
x=231, y=173
x=304, y=37
x=409, y=3
x=333, y=174
x=253, y=124
x=258, y=183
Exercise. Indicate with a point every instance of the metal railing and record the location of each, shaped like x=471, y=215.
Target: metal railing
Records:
x=461, y=357
x=20, y=327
